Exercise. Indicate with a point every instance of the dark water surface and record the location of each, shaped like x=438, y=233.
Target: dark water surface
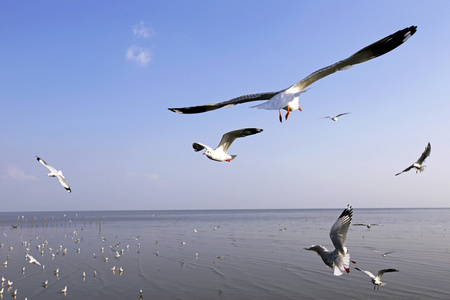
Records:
x=242, y=254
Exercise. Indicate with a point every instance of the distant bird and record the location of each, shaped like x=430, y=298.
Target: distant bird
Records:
x=63, y=291
x=45, y=283
x=367, y=225
x=54, y=173
x=14, y=294
x=141, y=294
x=376, y=280
x=335, y=118
x=32, y=260
x=10, y=283
x=288, y=98
x=385, y=253
x=220, y=153
x=1, y=291
x=418, y=164
x=339, y=258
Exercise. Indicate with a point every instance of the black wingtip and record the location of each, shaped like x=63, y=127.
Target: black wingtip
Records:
x=37, y=157
x=348, y=211
x=253, y=130
x=389, y=43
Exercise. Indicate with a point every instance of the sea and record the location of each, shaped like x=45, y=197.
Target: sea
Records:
x=222, y=254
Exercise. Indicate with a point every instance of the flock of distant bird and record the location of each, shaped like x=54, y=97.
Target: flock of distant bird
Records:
x=63, y=251
x=288, y=99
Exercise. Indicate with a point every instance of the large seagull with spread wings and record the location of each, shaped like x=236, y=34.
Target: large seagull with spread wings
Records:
x=288, y=98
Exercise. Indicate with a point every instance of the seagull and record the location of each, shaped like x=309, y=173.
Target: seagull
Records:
x=220, y=153
x=33, y=260
x=335, y=118
x=45, y=284
x=10, y=283
x=54, y=173
x=385, y=253
x=288, y=98
x=367, y=225
x=1, y=291
x=418, y=164
x=63, y=291
x=339, y=258
x=376, y=280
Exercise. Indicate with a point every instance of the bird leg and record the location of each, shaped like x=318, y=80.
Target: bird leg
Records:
x=288, y=112
x=281, y=118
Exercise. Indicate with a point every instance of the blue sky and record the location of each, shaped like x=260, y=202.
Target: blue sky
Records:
x=86, y=86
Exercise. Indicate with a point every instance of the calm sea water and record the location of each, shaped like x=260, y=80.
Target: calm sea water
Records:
x=242, y=254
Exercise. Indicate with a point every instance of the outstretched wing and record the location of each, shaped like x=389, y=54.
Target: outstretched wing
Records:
x=381, y=272
x=367, y=272
x=376, y=49
x=52, y=170
x=229, y=137
x=425, y=154
x=338, y=232
x=228, y=103
x=405, y=170
x=341, y=115
x=64, y=183
x=198, y=147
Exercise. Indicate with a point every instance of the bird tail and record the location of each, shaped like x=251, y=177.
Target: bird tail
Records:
x=233, y=157
x=342, y=264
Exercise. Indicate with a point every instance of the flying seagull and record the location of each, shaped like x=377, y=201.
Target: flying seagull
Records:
x=339, y=258
x=418, y=164
x=54, y=173
x=288, y=98
x=220, y=153
x=376, y=280
x=32, y=260
x=367, y=225
x=335, y=118
x=385, y=253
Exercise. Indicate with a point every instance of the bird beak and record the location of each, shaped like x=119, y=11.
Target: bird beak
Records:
x=299, y=108
x=204, y=153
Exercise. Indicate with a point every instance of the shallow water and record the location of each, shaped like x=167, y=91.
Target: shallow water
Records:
x=242, y=254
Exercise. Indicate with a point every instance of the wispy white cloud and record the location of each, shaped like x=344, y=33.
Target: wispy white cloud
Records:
x=142, y=31
x=139, y=55
x=16, y=173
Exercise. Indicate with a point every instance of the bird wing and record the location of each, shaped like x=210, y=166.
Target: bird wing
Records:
x=338, y=232
x=52, y=170
x=198, y=147
x=381, y=272
x=341, y=115
x=229, y=137
x=367, y=272
x=228, y=103
x=376, y=49
x=425, y=154
x=63, y=182
x=405, y=170
x=360, y=224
